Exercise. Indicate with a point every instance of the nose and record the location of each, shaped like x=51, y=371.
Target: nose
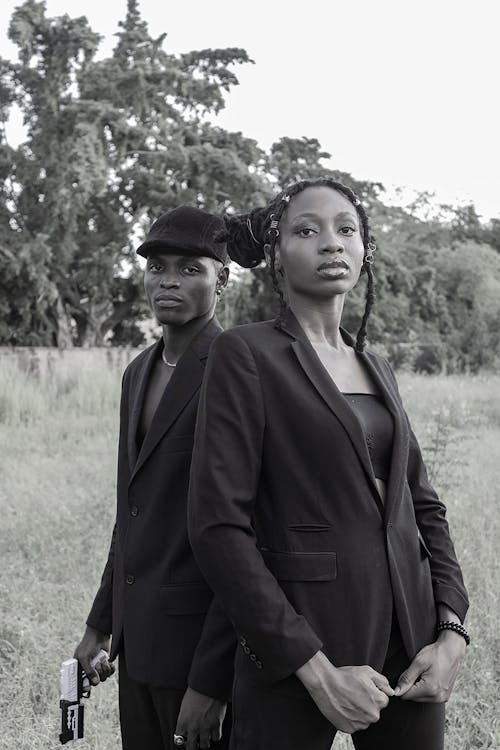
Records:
x=331, y=242
x=169, y=282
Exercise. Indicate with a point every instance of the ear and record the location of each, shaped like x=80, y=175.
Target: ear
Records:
x=222, y=279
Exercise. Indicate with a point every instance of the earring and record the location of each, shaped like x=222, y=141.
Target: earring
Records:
x=370, y=250
x=218, y=291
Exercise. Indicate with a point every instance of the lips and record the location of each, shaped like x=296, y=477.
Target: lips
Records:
x=168, y=300
x=333, y=264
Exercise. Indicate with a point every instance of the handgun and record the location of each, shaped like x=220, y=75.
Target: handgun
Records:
x=75, y=685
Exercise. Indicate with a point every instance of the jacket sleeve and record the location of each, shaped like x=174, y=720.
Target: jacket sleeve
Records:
x=212, y=668
x=447, y=580
x=100, y=614
x=225, y=476
x=430, y=512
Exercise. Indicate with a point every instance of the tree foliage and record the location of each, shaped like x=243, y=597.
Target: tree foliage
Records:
x=111, y=143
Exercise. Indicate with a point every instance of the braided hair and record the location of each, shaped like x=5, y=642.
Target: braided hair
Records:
x=250, y=235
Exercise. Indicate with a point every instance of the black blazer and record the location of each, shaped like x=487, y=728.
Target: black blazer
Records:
x=285, y=519
x=152, y=594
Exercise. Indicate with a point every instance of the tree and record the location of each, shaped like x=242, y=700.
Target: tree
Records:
x=110, y=145
x=41, y=193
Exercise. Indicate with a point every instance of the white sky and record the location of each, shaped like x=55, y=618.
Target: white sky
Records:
x=405, y=94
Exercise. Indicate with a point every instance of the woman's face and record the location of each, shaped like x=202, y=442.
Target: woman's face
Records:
x=320, y=248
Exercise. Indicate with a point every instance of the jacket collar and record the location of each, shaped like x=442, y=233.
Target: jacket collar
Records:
x=337, y=403
x=184, y=383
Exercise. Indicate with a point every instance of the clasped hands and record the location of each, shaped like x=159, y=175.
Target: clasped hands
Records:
x=351, y=698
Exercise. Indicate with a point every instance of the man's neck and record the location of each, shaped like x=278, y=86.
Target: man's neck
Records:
x=176, y=339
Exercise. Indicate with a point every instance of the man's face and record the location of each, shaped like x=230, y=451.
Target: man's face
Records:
x=180, y=288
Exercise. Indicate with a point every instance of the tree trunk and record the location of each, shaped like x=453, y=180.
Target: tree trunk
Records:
x=63, y=335
x=96, y=315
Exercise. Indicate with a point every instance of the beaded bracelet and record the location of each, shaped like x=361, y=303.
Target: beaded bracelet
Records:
x=456, y=627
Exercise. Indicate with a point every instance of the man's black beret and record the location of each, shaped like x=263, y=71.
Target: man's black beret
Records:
x=186, y=230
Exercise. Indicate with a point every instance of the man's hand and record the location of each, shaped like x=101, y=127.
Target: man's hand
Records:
x=432, y=673
x=351, y=698
x=88, y=648
x=200, y=719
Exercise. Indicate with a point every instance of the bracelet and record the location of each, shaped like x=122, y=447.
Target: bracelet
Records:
x=456, y=627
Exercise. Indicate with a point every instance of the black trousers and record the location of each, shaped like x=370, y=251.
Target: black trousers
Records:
x=284, y=717
x=148, y=715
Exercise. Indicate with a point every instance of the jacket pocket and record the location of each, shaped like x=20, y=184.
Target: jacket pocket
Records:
x=185, y=598
x=301, y=566
x=310, y=527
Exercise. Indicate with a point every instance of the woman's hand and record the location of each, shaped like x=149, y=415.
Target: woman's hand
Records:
x=351, y=698
x=432, y=673
x=200, y=719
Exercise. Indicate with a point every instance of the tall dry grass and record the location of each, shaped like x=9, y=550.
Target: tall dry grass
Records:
x=58, y=431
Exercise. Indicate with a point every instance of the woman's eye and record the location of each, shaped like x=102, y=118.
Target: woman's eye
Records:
x=305, y=231
x=347, y=231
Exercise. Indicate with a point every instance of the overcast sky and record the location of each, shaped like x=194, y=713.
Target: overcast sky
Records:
x=398, y=92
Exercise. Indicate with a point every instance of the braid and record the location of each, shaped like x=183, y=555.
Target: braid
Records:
x=370, y=299
x=274, y=278
x=271, y=235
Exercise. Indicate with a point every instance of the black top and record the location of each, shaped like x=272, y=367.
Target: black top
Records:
x=378, y=427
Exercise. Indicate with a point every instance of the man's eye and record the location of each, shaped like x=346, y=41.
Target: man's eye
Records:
x=191, y=269
x=155, y=267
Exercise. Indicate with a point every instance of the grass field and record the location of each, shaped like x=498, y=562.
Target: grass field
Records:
x=57, y=473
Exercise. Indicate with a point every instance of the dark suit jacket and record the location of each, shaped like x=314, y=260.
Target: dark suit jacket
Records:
x=285, y=519
x=152, y=595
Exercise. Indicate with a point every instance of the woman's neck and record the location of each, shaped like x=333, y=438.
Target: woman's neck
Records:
x=320, y=320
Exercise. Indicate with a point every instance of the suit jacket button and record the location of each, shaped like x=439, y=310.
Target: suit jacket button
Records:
x=258, y=664
x=134, y=511
x=130, y=579
x=246, y=650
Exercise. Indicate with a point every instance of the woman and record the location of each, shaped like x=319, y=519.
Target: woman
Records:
x=310, y=511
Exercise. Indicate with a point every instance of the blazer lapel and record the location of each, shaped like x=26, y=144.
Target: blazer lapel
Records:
x=400, y=443
x=183, y=385
x=140, y=392
x=330, y=394
x=319, y=377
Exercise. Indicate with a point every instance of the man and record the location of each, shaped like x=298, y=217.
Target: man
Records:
x=153, y=598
